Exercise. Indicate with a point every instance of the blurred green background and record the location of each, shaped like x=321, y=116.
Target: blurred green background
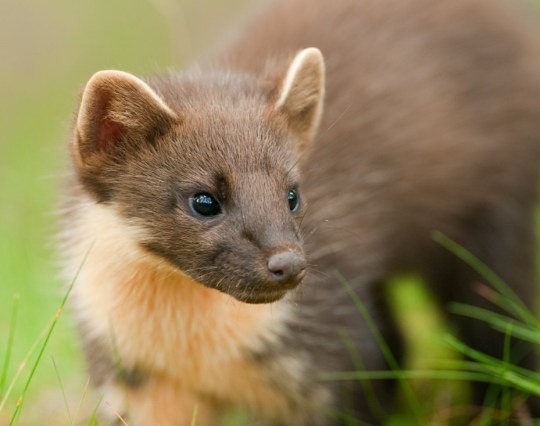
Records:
x=48, y=50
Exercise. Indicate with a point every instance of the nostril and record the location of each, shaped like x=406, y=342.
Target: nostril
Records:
x=277, y=273
x=286, y=265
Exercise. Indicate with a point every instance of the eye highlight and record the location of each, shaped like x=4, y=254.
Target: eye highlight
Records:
x=204, y=204
x=293, y=199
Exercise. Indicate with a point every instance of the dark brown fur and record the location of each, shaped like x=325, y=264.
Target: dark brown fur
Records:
x=431, y=123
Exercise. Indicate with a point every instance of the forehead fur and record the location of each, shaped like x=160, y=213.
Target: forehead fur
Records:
x=228, y=119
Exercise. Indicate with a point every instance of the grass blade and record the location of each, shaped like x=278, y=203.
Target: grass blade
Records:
x=511, y=375
x=446, y=375
x=372, y=401
x=194, y=416
x=50, y=330
x=93, y=421
x=498, y=322
x=509, y=300
x=79, y=406
x=62, y=389
x=387, y=353
x=20, y=402
x=9, y=347
x=117, y=414
x=22, y=366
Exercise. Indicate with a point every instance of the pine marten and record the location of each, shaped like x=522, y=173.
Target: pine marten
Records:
x=218, y=214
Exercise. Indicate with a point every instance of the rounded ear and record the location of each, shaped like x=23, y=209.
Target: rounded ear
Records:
x=301, y=94
x=118, y=113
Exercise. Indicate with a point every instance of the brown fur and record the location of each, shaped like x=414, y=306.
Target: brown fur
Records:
x=431, y=121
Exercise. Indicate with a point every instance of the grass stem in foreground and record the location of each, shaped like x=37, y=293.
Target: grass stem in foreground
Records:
x=383, y=346
x=52, y=326
x=9, y=346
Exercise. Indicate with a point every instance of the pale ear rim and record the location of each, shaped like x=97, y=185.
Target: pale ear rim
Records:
x=110, y=75
x=309, y=53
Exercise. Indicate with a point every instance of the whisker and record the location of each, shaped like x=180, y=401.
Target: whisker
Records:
x=340, y=116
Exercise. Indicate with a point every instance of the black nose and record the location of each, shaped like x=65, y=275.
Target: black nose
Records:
x=286, y=266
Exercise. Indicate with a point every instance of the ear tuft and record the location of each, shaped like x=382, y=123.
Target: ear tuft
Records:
x=118, y=113
x=302, y=92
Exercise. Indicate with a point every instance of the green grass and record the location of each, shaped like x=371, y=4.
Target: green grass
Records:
x=451, y=361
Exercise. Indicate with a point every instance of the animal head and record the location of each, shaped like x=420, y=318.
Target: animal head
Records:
x=207, y=168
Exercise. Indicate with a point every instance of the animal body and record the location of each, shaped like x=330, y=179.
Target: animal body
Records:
x=218, y=212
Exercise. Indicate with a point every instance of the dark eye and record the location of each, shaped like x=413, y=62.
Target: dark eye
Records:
x=204, y=204
x=293, y=199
